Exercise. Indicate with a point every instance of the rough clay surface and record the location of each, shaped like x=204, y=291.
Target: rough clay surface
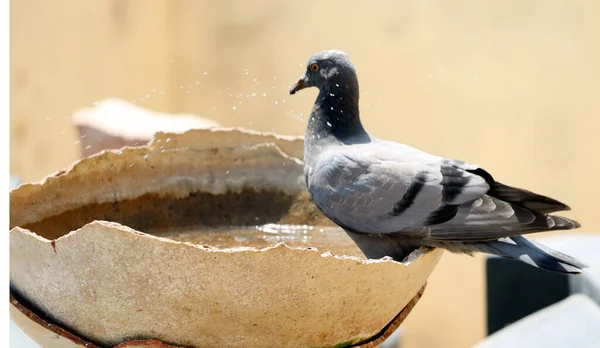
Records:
x=190, y=164
x=109, y=283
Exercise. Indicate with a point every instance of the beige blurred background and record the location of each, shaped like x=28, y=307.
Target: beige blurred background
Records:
x=513, y=86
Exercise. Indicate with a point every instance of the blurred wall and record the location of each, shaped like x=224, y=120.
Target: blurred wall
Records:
x=510, y=85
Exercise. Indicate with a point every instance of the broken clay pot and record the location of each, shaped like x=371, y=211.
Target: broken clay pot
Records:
x=201, y=239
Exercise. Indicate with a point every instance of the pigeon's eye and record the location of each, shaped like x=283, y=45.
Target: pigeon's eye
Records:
x=314, y=67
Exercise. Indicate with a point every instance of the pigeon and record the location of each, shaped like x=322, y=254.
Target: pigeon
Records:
x=392, y=199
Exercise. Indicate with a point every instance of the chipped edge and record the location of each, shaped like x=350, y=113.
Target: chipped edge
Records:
x=151, y=145
x=245, y=131
x=418, y=254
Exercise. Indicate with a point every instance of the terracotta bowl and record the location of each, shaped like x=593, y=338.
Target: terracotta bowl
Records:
x=158, y=246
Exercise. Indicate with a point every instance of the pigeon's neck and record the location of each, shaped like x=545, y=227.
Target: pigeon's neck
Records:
x=335, y=117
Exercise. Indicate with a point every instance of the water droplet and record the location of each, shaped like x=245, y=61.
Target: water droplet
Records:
x=264, y=94
x=187, y=92
x=77, y=142
x=131, y=165
x=145, y=156
x=168, y=140
x=162, y=92
x=180, y=86
x=206, y=72
x=332, y=108
x=197, y=82
x=147, y=96
x=253, y=94
x=329, y=124
x=337, y=85
x=48, y=118
x=154, y=90
x=276, y=102
x=234, y=107
x=88, y=147
x=333, y=95
x=226, y=172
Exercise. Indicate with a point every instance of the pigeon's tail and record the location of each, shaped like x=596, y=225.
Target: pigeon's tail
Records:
x=530, y=252
x=378, y=245
x=556, y=222
x=526, y=199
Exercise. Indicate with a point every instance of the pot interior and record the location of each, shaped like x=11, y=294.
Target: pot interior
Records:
x=249, y=218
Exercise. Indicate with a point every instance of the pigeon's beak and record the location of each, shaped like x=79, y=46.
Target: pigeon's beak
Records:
x=300, y=84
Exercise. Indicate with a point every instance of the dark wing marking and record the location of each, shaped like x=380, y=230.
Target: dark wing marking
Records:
x=453, y=182
x=443, y=214
x=523, y=198
x=409, y=197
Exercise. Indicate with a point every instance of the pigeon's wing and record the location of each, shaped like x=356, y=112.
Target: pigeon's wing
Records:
x=368, y=190
x=488, y=218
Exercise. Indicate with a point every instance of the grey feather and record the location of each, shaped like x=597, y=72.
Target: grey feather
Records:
x=392, y=198
x=530, y=252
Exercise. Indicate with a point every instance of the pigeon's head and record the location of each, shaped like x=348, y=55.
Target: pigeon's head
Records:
x=326, y=69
